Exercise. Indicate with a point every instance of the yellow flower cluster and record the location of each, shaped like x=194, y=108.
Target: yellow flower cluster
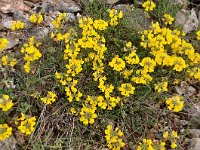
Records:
x=73, y=111
x=126, y=89
x=92, y=40
x=26, y=124
x=49, y=99
x=109, y=101
x=167, y=138
x=100, y=24
x=132, y=58
x=148, y=144
x=198, y=35
x=149, y=5
x=57, y=22
x=17, y=25
x=175, y=103
x=115, y=16
x=5, y=60
x=31, y=53
x=194, y=72
x=37, y=19
x=3, y=43
x=88, y=110
x=117, y=63
x=168, y=19
x=161, y=87
x=171, y=137
x=168, y=48
x=142, y=77
x=148, y=64
x=5, y=103
x=5, y=131
x=113, y=138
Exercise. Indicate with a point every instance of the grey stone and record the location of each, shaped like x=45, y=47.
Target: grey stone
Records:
x=183, y=3
x=19, y=15
x=71, y=16
x=32, y=1
x=78, y=16
x=12, y=43
x=111, y=2
x=185, y=89
x=187, y=20
x=9, y=144
x=195, y=133
x=61, y=6
x=40, y=32
x=135, y=16
x=199, y=17
x=29, y=3
x=6, y=23
x=195, y=144
x=10, y=6
x=48, y=20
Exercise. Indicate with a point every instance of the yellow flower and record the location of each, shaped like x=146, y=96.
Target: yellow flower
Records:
x=5, y=60
x=174, y=134
x=31, y=53
x=100, y=24
x=113, y=138
x=175, y=103
x=165, y=135
x=198, y=35
x=17, y=25
x=161, y=87
x=57, y=22
x=168, y=19
x=148, y=64
x=8, y=61
x=114, y=17
x=5, y=131
x=3, y=43
x=129, y=45
x=149, y=5
x=50, y=98
x=132, y=58
x=173, y=145
x=147, y=144
x=126, y=89
x=194, y=72
x=179, y=63
x=88, y=115
x=73, y=111
x=36, y=18
x=117, y=63
x=26, y=124
x=33, y=18
x=5, y=103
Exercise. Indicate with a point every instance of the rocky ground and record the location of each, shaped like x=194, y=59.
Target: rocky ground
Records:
x=188, y=18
